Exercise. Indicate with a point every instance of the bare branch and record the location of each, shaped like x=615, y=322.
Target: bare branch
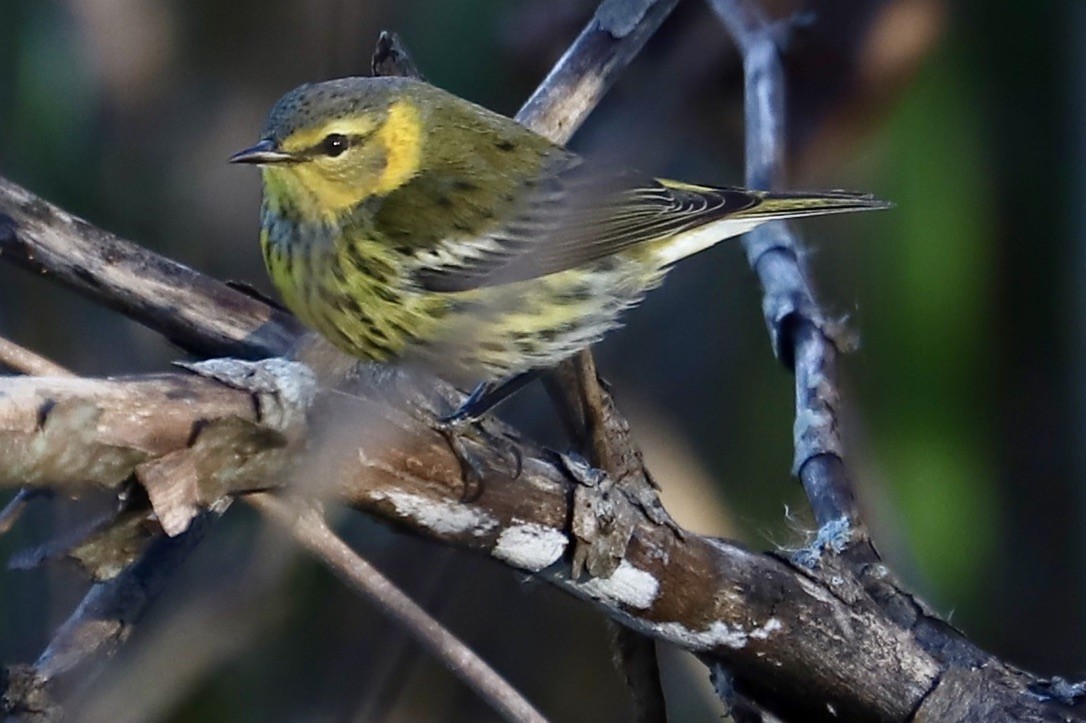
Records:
x=640, y=665
x=311, y=531
x=574, y=87
x=390, y=57
x=794, y=642
x=24, y=361
x=111, y=608
x=13, y=510
x=195, y=312
x=109, y=611
x=106, y=616
x=800, y=332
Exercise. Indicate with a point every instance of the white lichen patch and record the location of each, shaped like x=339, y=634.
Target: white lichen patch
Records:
x=530, y=546
x=771, y=626
x=718, y=634
x=627, y=585
x=440, y=516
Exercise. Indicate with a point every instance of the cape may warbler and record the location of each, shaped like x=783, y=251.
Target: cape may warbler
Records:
x=403, y=222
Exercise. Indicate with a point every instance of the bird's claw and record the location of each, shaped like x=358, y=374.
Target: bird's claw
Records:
x=460, y=430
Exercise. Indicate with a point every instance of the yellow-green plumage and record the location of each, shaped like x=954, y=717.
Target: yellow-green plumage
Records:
x=403, y=222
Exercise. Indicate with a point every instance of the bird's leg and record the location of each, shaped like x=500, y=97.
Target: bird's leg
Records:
x=488, y=395
x=465, y=421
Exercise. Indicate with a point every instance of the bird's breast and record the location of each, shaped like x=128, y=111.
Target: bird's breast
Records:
x=349, y=284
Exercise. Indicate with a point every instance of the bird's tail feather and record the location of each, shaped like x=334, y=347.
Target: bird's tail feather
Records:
x=763, y=206
x=774, y=205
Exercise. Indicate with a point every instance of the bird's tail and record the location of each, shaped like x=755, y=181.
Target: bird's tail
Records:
x=774, y=205
x=738, y=210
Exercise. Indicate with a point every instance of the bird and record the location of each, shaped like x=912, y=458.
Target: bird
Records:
x=407, y=224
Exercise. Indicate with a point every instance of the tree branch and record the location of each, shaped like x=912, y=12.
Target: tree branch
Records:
x=197, y=313
x=312, y=532
x=801, y=334
x=108, y=612
x=795, y=643
x=574, y=87
x=25, y=361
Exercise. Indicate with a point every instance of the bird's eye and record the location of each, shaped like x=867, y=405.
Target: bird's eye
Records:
x=334, y=144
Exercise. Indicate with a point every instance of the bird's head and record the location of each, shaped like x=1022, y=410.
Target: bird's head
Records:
x=327, y=147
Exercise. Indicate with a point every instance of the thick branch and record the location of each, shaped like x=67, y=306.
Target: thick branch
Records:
x=792, y=639
x=195, y=312
x=105, y=618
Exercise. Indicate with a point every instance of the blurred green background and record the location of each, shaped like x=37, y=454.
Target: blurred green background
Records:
x=966, y=418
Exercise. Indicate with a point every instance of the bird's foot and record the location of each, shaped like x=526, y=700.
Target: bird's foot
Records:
x=478, y=450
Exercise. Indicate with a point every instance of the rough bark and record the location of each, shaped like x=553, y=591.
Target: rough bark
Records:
x=808, y=644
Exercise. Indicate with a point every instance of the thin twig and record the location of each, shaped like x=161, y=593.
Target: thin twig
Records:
x=799, y=331
x=14, y=509
x=390, y=57
x=311, y=531
x=574, y=87
x=379, y=694
x=24, y=361
x=641, y=669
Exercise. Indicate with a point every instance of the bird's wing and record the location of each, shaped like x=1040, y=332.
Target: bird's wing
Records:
x=570, y=215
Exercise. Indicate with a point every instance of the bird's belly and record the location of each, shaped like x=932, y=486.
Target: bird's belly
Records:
x=362, y=304
x=497, y=331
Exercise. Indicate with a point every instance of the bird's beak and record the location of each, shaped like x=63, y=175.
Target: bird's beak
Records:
x=263, y=152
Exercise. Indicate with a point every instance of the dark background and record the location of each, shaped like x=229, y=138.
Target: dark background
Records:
x=966, y=420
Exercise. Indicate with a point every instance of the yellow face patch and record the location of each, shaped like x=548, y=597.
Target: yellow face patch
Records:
x=401, y=136
x=385, y=156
